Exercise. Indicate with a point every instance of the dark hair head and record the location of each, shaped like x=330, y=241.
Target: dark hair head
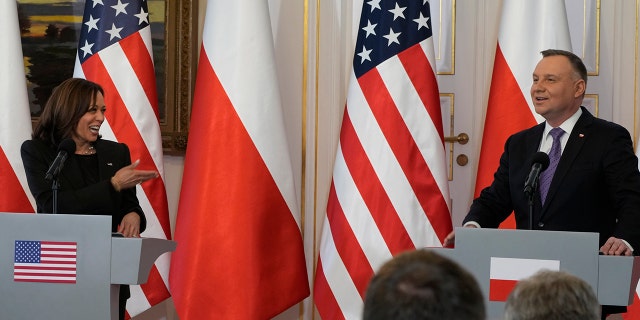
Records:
x=69, y=101
x=421, y=284
x=576, y=62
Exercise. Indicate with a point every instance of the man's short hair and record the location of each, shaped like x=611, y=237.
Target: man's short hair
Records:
x=552, y=295
x=576, y=63
x=421, y=284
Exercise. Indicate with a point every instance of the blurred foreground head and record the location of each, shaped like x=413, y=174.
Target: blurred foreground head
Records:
x=552, y=295
x=424, y=285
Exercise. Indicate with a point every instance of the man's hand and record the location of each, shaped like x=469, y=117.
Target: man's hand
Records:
x=450, y=239
x=615, y=247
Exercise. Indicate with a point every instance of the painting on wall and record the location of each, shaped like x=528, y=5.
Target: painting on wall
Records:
x=50, y=30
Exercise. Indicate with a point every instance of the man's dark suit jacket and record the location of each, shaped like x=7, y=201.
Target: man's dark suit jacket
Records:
x=596, y=187
x=75, y=195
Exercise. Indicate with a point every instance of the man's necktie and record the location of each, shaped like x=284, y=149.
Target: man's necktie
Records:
x=554, y=157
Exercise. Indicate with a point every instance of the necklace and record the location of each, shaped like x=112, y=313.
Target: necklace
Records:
x=91, y=150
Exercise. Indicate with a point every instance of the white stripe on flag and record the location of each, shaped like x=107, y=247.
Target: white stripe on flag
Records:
x=338, y=277
x=258, y=106
x=521, y=38
x=138, y=302
x=134, y=98
x=417, y=120
x=388, y=170
x=364, y=227
x=517, y=269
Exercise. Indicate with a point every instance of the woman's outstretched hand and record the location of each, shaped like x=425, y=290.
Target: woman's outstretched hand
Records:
x=128, y=177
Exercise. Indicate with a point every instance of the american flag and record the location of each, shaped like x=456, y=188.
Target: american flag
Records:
x=115, y=51
x=45, y=261
x=390, y=189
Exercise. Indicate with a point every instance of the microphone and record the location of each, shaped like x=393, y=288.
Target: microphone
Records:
x=66, y=146
x=540, y=162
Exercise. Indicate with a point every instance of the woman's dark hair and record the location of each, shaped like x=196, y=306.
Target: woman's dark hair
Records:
x=68, y=103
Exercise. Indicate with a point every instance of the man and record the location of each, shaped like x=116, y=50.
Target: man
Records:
x=423, y=285
x=552, y=295
x=596, y=184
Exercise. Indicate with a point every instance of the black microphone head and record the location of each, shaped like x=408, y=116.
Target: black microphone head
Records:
x=69, y=146
x=541, y=158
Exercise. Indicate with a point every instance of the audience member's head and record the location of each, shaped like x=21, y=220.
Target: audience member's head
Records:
x=552, y=295
x=423, y=285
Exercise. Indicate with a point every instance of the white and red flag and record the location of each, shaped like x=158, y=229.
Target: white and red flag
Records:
x=240, y=253
x=115, y=51
x=390, y=189
x=504, y=274
x=527, y=27
x=15, y=122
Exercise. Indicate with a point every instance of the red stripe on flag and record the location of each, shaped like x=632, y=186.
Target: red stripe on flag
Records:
x=142, y=64
x=126, y=131
x=232, y=219
x=325, y=301
x=154, y=289
x=47, y=280
x=507, y=113
x=13, y=197
x=406, y=152
x=633, y=311
x=499, y=290
x=45, y=274
x=372, y=191
x=347, y=244
x=419, y=69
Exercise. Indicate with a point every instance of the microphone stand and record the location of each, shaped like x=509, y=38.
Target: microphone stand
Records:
x=530, y=193
x=530, y=196
x=54, y=188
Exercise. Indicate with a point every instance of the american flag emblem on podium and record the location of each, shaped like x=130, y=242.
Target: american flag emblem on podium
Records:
x=45, y=261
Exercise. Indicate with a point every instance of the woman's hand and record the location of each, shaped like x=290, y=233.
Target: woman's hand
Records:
x=130, y=225
x=128, y=177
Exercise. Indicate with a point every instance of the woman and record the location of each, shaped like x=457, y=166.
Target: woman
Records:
x=98, y=179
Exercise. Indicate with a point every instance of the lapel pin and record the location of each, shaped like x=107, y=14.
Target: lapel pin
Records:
x=109, y=164
x=581, y=135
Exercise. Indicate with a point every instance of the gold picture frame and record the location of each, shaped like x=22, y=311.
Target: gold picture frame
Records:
x=181, y=52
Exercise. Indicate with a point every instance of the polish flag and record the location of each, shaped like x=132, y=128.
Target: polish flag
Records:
x=15, y=122
x=240, y=253
x=526, y=28
x=504, y=274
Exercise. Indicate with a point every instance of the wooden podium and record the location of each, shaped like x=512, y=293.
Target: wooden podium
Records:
x=68, y=266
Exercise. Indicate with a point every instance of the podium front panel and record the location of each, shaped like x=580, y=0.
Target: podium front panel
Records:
x=41, y=283
x=496, y=257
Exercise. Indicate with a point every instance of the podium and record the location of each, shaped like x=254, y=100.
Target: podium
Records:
x=499, y=258
x=68, y=266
